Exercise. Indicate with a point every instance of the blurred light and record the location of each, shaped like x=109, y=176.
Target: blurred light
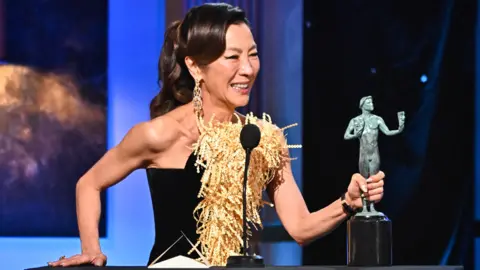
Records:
x=373, y=70
x=423, y=78
x=129, y=219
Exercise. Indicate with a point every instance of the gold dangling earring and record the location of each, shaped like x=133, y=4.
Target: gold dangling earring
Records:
x=197, y=98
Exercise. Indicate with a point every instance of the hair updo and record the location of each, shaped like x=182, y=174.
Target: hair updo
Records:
x=201, y=36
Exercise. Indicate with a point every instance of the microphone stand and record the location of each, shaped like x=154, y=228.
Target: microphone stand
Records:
x=245, y=260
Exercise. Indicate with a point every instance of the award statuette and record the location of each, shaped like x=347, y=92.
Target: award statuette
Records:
x=369, y=232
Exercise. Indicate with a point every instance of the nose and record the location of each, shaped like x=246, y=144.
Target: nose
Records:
x=246, y=69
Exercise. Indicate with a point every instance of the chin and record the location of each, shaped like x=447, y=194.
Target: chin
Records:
x=241, y=102
x=237, y=101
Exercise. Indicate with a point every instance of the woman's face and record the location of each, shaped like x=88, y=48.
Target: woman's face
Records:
x=229, y=79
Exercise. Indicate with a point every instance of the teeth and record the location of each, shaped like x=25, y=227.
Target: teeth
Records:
x=240, y=86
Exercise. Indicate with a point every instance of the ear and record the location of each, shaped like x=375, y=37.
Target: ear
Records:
x=193, y=68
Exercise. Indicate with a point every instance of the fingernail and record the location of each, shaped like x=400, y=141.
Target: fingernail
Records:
x=364, y=188
x=369, y=180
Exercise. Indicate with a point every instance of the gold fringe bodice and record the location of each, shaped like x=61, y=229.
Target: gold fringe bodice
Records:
x=220, y=153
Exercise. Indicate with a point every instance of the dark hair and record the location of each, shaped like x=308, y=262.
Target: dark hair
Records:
x=201, y=36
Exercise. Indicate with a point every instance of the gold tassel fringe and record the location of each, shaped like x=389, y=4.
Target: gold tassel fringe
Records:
x=221, y=155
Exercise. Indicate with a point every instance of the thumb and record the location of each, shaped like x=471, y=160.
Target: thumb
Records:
x=361, y=182
x=98, y=262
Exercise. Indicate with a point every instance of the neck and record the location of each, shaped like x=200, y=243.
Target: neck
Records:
x=213, y=106
x=366, y=113
x=221, y=114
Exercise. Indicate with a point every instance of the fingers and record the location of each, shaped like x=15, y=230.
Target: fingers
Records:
x=373, y=185
x=361, y=182
x=57, y=263
x=375, y=191
x=375, y=198
x=377, y=177
x=372, y=188
x=74, y=260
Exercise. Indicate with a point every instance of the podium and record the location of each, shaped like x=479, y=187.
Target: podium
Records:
x=333, y=267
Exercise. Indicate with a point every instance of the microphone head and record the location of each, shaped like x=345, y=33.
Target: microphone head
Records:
x=250, y=136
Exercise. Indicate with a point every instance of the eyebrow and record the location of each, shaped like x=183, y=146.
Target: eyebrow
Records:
x=254, y=46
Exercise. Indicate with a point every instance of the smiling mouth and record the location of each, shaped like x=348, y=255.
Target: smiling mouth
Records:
x=242, y=88
x=239, y=86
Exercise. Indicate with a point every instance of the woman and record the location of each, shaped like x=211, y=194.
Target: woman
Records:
x=208, y=65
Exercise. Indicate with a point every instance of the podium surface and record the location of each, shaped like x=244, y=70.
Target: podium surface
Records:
x=333, y=267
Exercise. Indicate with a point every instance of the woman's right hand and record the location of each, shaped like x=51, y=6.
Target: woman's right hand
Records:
x=97, y=259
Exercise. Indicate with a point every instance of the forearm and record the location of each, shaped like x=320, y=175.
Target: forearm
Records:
x=393, y=132
x=88, y=216
x=321, y=222
x=349, y=136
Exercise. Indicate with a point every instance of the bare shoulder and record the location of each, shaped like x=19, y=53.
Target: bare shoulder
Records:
x=159, y=133
x=379, y=119
x=148, y=134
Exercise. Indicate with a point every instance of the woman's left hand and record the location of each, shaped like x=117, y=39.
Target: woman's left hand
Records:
x=371, y=187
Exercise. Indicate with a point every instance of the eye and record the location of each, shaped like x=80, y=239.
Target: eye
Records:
x=255, y=54
x=232, y=57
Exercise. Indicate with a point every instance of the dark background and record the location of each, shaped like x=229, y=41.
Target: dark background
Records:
x=382, y=48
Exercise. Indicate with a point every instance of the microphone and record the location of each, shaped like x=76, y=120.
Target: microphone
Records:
x=249, y=138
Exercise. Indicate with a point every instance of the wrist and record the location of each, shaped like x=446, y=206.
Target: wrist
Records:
x=91, y=250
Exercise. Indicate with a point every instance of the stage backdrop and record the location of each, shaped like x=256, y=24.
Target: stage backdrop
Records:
x=52, y=111
x=79, y=40
x=412, y=56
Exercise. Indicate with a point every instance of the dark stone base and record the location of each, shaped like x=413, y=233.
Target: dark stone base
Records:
x=369, y=241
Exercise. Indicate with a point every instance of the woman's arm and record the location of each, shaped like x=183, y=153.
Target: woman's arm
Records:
x=303, y=226
x=136, y=150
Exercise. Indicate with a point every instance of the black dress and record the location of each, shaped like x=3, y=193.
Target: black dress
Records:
x=174, y=197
